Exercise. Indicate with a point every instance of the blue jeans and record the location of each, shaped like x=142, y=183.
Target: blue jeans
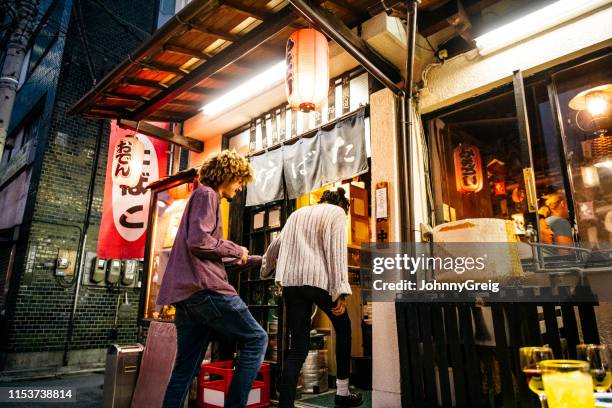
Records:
x=195, y=319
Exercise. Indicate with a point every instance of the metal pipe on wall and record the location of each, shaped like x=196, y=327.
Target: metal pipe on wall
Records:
x=405, y=192
x=406, y=188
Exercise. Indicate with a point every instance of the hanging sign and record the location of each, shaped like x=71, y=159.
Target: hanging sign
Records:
x=301, y=166
x=267, y=184
x=125, y=210
x=468, y=168
x=128, y=156
x=343, y=149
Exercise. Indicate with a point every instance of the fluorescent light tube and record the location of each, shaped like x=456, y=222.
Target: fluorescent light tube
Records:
x=536, y=22
x=256, y=85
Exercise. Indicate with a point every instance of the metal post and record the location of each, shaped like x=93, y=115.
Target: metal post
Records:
x=405, y=145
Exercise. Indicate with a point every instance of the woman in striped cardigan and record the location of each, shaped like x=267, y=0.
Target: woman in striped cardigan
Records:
x=310, y=259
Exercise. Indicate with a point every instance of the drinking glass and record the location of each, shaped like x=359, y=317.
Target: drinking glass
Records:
x=598, y=357
x=530, y=359
x=567, y=384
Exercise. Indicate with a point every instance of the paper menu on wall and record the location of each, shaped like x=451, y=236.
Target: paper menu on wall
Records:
x=381, y=203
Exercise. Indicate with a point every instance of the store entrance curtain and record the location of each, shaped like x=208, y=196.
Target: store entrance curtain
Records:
x=267, y=184
x=302, y=166
x=343, y=149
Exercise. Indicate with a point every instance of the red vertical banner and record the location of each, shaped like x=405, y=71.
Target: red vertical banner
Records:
x=125, y=211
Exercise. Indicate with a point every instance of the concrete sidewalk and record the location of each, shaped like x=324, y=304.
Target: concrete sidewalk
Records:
x=88, y=390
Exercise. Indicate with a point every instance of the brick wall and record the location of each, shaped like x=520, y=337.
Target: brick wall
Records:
x=39, y=310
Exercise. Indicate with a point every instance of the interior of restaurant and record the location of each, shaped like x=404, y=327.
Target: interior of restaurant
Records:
x=574, y=169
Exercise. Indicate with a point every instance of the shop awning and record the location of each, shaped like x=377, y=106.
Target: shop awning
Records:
x=208, y=47
x=211, y=46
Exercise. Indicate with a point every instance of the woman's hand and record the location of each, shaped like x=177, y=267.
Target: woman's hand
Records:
x=340, y=307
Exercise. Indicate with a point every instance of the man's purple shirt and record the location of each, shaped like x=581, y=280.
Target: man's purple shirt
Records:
x=197, y=258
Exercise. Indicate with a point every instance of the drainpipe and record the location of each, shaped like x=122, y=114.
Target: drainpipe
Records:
x=406, y=136
x=404, y=145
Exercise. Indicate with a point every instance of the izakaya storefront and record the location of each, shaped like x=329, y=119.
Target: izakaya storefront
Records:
x=296, y=154
x=295, y=157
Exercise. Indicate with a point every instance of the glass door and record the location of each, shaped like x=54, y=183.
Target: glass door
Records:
x=583, y=98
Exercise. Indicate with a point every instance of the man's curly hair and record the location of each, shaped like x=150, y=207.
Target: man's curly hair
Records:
x=227, y=165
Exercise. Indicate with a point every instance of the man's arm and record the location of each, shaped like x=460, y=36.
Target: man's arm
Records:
x=202, y=220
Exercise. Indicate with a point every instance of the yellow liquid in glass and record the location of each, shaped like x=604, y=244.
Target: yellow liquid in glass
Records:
x=535, y=384
x=569, y=390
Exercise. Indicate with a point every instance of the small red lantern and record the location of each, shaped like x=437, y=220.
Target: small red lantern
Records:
x=128, y=157
x=468, y=168
x=307, y=79
x=500, y=188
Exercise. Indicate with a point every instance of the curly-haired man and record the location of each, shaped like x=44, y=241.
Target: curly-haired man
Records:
x=196, y=282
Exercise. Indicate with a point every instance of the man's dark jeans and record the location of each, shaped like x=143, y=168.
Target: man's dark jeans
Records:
x=298, y=301
x=195, y=319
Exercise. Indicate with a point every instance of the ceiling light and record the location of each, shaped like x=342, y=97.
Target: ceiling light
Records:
x=254, y=86
x=596, y=105
x=533, y=23
x=595, y=100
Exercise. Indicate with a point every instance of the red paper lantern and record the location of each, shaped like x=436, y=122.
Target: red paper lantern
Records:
x=307, y=79
x=128, y=157
x=468, y=168
x=500, y=188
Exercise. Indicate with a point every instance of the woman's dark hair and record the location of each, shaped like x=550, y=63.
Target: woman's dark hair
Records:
x=336, y=198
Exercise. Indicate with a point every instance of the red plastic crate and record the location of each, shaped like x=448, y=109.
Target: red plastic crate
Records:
x=211, y=393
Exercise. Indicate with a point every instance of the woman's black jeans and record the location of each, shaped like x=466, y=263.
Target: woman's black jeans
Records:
x=298, y=301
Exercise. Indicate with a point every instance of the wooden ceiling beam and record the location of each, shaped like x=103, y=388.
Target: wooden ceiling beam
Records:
x=125, y=97
x=190, y=52
x=200, y=90
x=156, y=66
x=223, y=59
x=452, y=14
x=108, y=111
x=350, y=8
x=149, y=129
x=259, y=14
x=182, y=102
x=223, y=35
x=142, y=82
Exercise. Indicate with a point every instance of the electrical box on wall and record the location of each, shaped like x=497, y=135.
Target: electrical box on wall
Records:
x=113, y=271
x=129, y=271
x=99, y=270
x=65, y=263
